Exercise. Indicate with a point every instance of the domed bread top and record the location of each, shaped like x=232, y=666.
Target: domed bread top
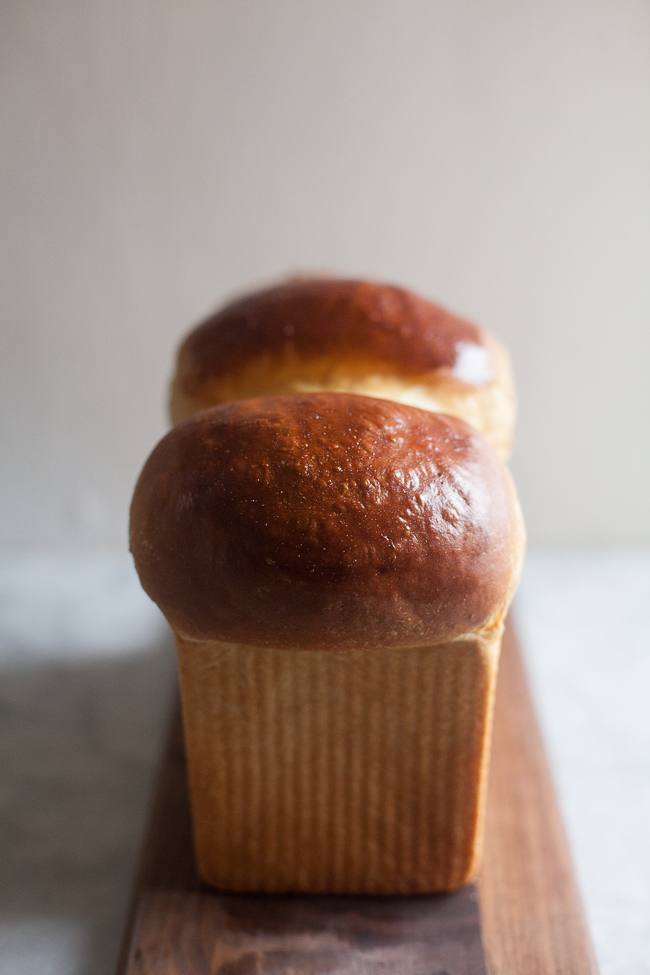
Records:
x=326, y=521
x=307, y=335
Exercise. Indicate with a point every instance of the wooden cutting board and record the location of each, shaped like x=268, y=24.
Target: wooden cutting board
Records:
x=524, y=917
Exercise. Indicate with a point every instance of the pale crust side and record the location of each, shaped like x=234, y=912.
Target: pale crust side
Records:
x=339, y=771
x=490, y=408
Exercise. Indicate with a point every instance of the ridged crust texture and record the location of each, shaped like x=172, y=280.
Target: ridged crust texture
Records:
x=338, y=771
x=326, y=521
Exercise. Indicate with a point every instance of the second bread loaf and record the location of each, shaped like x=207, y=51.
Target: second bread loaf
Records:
x=323, y=334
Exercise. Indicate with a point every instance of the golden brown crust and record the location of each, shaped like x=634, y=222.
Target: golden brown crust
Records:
x=326, y=521
x=393, y=327
x=347, y=336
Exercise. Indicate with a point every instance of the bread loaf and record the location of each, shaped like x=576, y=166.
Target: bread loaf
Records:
x=309, y=335
x=336, y=570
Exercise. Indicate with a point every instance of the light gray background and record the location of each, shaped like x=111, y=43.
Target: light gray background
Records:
x=158, y=155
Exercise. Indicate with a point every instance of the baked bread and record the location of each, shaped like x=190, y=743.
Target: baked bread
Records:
x=320, y=334
x=336, y=570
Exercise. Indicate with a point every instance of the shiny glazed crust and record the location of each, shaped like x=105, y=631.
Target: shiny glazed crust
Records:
x=326, y=521
x=348, y=336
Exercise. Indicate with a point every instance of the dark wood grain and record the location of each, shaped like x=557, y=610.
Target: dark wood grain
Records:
x=530, y=919
x=532, y=915
x=205, y=933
